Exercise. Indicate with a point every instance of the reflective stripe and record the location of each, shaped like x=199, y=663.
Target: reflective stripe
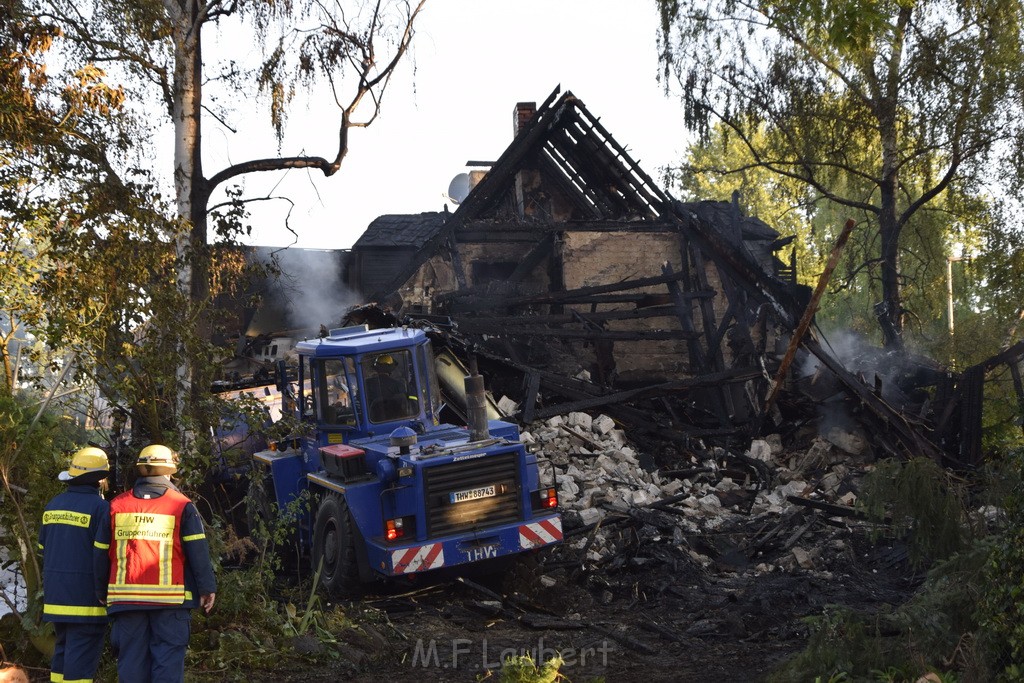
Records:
x=166, y=553
x=101, y=546
x=69, y=517
x=164, y=595
x=76, y=680
x=122, y=561
x=193, y=537
x=74, y=611
x=54, y=676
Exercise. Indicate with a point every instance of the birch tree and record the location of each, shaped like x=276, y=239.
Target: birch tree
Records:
x=862, y=94
x=351, y=48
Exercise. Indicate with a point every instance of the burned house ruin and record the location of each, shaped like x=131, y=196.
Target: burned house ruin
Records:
x=580, y=285
x=567, y=259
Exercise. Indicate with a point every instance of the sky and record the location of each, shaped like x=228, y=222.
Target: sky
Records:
x=453, y=101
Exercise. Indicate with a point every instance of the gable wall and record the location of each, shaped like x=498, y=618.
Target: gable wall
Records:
x=599, y=258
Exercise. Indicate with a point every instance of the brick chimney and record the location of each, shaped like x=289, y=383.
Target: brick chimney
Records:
x=523, y=114
x=526, y=179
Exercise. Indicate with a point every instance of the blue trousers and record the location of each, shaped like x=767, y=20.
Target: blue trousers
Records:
x=150, y=644
x=77, y=651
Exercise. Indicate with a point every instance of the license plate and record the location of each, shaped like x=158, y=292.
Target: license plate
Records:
x=472, y=494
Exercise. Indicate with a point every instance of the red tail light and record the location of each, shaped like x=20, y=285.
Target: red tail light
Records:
x=393, y=529
x=550, y=498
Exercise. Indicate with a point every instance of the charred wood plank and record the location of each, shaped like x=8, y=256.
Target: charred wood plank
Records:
x=736, y=265
x=487, y=324
x=830, y=508
x=647, y=189
x=568, y=296
x=489, y=227
x=460, y=272
x=628, y=641
x=532, y=259
x=656, y=390
x=698, y=358
x=582, y=437
x=1011, y=354
x=663, y=631
x=530, y=401
x=972, y=392
x=714, y=351
x=553, y=173
x=593, y=335
x=685, y=315
x=459, y=302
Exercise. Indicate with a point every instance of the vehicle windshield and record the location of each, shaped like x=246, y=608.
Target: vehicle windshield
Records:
x=390, y=385
x=340, y=402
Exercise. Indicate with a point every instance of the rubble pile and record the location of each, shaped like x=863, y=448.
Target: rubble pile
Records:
x=770, y=498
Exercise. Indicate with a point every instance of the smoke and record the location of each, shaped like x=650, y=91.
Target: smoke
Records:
x=848, y=347
x=896, y=376
x=311, y=291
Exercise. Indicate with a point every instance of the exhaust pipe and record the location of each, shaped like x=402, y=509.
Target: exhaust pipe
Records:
x=476, y=404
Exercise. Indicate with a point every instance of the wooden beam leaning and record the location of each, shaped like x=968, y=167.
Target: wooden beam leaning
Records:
x=808, y=316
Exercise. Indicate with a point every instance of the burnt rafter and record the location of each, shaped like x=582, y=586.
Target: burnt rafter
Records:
x=561, y=139
x=490, y=189
x=554, y=173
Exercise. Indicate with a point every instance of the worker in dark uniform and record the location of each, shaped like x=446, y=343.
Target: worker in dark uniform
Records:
x=71, y=524
x=388, y=397
x=159, y=568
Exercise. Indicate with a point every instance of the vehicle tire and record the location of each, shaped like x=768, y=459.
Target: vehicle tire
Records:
x=334, y=551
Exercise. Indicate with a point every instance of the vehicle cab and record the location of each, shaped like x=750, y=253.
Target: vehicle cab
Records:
x=356, y=383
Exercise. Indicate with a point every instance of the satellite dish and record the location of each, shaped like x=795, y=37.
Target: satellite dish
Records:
x=458, y=188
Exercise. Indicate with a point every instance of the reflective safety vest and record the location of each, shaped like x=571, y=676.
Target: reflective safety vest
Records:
x=71, y=524
x=147, y=564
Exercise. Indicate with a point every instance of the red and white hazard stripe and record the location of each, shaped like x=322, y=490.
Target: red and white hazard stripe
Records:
x=418, y=559
x=540, y=533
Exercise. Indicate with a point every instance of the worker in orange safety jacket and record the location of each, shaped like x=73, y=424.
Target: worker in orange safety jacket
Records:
x=158, y=569
x=72, y=520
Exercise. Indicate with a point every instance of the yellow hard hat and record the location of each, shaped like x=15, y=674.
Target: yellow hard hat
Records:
x=384, y=362
x=88, y=460
x=156, y=455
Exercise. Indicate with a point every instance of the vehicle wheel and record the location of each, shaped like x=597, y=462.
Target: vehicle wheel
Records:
x=334, y=551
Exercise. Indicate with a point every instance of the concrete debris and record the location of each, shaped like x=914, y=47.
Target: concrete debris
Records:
x=760, y=450
x=507, y=406
x=602, y=486
x=803, y=558
x=602, y=424
x=851, y=442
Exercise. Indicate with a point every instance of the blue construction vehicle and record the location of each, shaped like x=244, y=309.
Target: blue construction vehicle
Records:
x=386, y=489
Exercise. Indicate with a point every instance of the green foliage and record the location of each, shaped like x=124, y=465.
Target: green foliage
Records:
x=1001, y=610
x=899, y=114
x=919, y=501
x=845, y=645
x=964, y=623
x=939, y=622
x=35, y=446
x=522, y=669
x=953, y=224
